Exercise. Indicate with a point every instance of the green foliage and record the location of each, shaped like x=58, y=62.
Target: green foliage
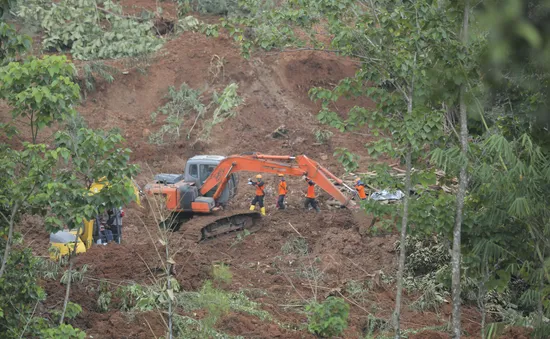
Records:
x=41, y=90
x=239, y=302
x=188, y=23
x=357, y=288
x=240, y=238
x=5, y=6
x=210, y=30
x=93, y=71
x=50, y=269
x=347, y=159
x=187, y=101
x=322, y=135
x=23, y=173
x=427, y=269
x=19, y=293
x=217, y=7
x=11, y=43
x=72, y=311
x=104, y=298
x=89, y=31
x=63, y=331
x=76, y=275
x=215, y=302
x=221, y=274
x=515, y=67
x=135, y=296
x=182, y=103
x=187, y=327
x=329, y=318
x=226, y=103
x=87, y=156
x=373, y=325
x=425, y=254
x=433, y=296
x=269, y=24
x=433, y=212
x=295, y=245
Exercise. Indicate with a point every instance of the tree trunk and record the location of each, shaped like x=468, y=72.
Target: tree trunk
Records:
x=402, y=251
x=72, y=254
x=481, y=296
x=463, y=178
x=169, y=266
x=67, y=291
x=483, y=315
x=11, y=223
x=404, y=222
x=540, y=308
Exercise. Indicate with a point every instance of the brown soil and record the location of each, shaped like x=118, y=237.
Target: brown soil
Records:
x=275, y=88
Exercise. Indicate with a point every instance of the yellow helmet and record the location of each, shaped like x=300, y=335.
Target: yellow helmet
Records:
x=357, y=179
x=259, y=176
x=280, y=175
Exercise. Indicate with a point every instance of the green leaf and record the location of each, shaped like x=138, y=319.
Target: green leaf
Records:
x=529, y=33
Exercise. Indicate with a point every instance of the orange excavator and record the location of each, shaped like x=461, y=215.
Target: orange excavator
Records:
x=209, y=182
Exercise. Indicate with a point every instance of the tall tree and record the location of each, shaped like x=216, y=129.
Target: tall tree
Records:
x=90, y=156
x=24, y=174
x=463, y=183
x=40, y=90
x=398, y=46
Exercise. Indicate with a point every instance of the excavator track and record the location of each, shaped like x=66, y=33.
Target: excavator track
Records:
x=204, y=227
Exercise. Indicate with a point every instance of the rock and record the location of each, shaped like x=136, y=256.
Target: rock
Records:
x=271, y=271
x=280, y=132
x=299, y=140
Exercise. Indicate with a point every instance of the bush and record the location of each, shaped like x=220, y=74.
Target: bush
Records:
x=216, y=7
x=328, y=319
x=425, y=254
x=221, y=274
x=63, y=331
x=186, y=101
x=181, y=104
x=19, y=292
x=322, y=135
x=295, y=245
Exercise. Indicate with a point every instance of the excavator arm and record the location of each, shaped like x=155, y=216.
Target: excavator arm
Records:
x=295, y=166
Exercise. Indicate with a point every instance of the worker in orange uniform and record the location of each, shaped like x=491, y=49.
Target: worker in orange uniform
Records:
x=360, y=187
x=259, y=198
x=310, y=196
x=282, y=192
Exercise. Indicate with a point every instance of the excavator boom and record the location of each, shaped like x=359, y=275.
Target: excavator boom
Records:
x=295, y=166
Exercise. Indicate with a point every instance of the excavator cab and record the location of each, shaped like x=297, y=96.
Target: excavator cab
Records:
x=199, y=168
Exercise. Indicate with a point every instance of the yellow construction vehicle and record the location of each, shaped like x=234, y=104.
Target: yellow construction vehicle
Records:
x=92, y=231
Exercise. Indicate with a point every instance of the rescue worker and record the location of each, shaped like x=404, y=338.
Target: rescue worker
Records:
x=259, y=198
x=360, y=187
x=282, y=192
x=310, y=196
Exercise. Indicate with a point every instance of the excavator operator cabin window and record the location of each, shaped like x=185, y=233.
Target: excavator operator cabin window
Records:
x=206, y=170
x=194, y=171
